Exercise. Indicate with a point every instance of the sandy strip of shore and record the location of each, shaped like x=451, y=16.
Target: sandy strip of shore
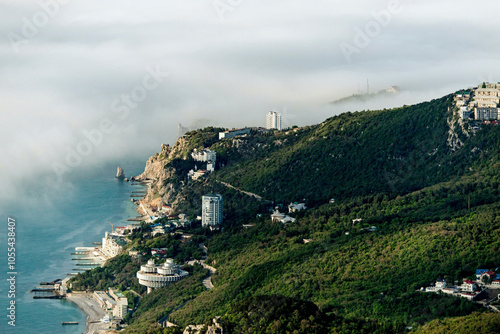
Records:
x=89, y=305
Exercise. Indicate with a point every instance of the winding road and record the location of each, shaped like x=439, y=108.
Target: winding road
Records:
x=245, y=192
x=207, y=282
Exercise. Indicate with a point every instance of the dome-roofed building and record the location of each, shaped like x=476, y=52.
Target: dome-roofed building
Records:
x=155, y=276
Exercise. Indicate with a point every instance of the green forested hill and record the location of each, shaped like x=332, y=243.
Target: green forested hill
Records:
x=431, y=189
x=355, y=154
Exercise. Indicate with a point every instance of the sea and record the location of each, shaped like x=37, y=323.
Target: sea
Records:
x=47, y=232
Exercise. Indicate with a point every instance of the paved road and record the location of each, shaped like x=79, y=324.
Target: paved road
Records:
x=147, y=213
x=245, y=192
x=207, y=282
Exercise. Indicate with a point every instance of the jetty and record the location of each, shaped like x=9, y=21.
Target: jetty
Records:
x=136, y=219
x=69, y=323
x=51, y=283
x=80, y=253
x=50, y=290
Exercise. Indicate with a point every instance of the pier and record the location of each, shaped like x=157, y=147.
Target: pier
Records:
x=51, y=283
x=136, y=219
x=50, y=290
x=69, y=323
x=80, y=253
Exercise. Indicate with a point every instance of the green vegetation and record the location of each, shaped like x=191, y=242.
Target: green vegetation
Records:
x=476, y=323
x=274, y=314
x=118, y=272
x=435, y=209
x=391, y=168
x=160, y=302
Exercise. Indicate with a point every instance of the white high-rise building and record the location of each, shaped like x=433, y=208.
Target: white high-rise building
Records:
x=211, y=210
x=273, y=120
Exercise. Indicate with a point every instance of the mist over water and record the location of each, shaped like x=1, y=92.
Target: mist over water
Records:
x=86, y=86
x=134, y=71
x=49, y=229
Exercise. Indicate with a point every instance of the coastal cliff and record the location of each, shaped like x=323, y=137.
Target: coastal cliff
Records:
x=163, y=167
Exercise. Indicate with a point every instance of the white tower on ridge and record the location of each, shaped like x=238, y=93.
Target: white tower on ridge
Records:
x=273, y=120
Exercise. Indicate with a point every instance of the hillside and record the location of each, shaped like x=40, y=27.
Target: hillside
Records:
x=428, y=184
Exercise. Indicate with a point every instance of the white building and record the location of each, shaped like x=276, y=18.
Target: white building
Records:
x=273, y=120
x=156, y=276
x=113, y=302
x=211, y=210
x=234, y=133
x=486, y=113
x=440, y=285
x=204, y=155
x=112, y=245
x=293, y=207
x=120, y=309
x=211, y=166
x=468, y=286
x=280, y=217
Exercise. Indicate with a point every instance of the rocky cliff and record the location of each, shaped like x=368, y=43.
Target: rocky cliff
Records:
x=156, y=173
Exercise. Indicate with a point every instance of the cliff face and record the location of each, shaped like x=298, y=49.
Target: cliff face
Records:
x=155, y=165
x=156, y=174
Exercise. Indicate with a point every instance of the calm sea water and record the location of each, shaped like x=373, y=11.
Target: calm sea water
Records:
x=48, y=231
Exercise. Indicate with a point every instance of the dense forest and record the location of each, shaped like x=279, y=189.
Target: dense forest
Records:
x=434, y=205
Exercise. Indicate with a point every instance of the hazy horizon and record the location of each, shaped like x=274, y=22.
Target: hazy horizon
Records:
x=80, y=72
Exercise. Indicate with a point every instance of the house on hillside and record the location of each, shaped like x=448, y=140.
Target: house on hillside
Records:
x=468, y=286
x=294, y=207
x=234, y=133
x=281, y=217
x=277, y=216
x=480, y=272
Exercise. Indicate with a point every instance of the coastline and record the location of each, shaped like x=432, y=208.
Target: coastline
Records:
x=91, y=308
x=86, y=302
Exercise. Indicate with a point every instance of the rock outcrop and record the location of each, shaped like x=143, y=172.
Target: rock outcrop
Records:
x=156, y=173
x=120, y=173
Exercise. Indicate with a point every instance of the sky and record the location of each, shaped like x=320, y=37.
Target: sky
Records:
x=89, y=82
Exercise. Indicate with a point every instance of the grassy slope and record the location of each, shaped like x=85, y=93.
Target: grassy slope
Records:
x=354, y=154
x=393, y=169
x=365, y=160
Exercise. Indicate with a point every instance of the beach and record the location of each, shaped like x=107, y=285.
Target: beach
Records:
x=94, y=312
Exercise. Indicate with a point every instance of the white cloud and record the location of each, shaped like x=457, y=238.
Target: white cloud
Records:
x=229, y=72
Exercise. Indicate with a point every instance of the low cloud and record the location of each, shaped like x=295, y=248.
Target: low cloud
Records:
x=62, y=79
